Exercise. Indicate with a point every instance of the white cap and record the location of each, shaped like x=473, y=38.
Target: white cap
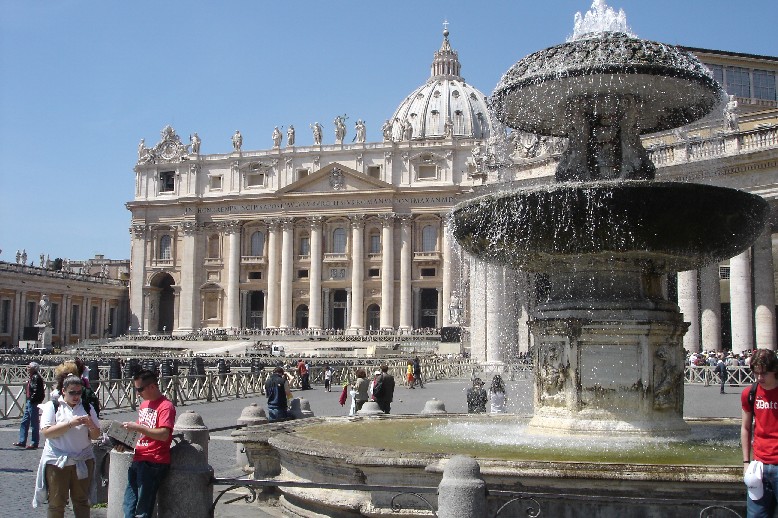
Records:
x=753, y=480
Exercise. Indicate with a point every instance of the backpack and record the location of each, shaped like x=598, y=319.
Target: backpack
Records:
x=752, y=397
x=378, y=387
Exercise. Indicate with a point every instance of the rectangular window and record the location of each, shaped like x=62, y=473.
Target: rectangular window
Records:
x=305, y=246
x=724, y=272
x=255, y=180
x=5, y=317
x=302, y=274
x=31, y=316
x=302, y=173
x=428, y=172
x=167, y=181
x=255, y=276
x=74, y=317
x=337, y=273
x=428, y=272
x=93, y=321
x=738, y=82
x=375, y=244
x=111, y=321
x=374, y=171
x=216, y=183
x=764, y=84
x=54, y=317
x=373, y=272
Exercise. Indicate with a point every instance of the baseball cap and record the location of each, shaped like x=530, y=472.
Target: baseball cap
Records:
x=753, y=480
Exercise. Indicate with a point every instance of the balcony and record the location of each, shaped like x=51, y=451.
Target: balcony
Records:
x=426, y=256
x=335, y=257
x=252, y=259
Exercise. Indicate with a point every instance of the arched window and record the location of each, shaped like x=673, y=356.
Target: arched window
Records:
x=429, y=239
x=165, y=245
x=257, y=243
x=339, y=241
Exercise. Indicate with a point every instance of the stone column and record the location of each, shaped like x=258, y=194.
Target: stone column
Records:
x=710, y=307
x=524, y=292
x=406, y=265
x=387, y=272
x=314, y=306
x=478, y=309
x=448, y=271
x=764, y=291
x=348, y=305
x=271, y=306
x=740, y=302
x=326, y=307
x=287, y=271
x=688, y=303
x=137, y=275
x=189, y=308
x=495, y=290
x=232, y=229
x=356, y=307
x=416, y=306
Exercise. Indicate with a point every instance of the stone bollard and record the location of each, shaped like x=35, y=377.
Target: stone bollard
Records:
x=370, y=408
x=187, y=491
x=117, y=477
x=462, y=491
x=251, y=415
x=434, y=406
x=300, y=408
x=190, y=424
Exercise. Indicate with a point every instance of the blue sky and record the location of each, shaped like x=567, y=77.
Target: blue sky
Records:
x=81, y=82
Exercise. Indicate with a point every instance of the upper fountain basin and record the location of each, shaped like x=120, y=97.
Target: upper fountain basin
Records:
x=656, y=227
x=672, y=85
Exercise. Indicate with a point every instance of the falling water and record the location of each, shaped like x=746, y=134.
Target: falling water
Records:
x=598, y=19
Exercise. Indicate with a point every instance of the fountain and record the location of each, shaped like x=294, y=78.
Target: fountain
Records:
x=608, y=350
x=608, y=343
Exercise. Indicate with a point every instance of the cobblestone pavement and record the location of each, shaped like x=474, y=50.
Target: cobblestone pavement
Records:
x=18, y=467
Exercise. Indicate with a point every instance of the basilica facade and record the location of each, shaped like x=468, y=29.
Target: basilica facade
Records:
x=354, y=236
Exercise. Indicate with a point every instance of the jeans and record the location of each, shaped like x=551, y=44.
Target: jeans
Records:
x=765, y=506
x=276, y=414
x=143, y=481
x=30, y=420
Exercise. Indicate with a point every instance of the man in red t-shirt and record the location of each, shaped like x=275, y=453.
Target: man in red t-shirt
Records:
x=156, y=418
x=760, y=421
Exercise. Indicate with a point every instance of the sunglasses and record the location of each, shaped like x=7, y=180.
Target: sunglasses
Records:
x=141, y=389
x=74, y=392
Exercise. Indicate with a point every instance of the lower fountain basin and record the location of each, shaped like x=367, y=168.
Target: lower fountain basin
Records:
x=603, y=477
x=650, y=226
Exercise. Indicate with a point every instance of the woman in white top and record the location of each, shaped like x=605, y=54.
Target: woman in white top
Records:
x=497, y=396
x=67, y=462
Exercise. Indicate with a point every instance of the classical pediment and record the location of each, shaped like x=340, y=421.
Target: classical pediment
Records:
x=335, y=178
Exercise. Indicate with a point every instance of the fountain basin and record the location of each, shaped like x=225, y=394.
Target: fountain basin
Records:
x=403, y=450
x=672, y=85
x=644, y=226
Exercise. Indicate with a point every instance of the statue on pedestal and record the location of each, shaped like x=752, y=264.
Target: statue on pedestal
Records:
x=386, y=130
x=44, y=312
x=290, y=136
x=361, y=131
x=237, y=141
x=195, y=141
x=316, y=133
x=730, y=114
x=340, y=129
x=277, y=137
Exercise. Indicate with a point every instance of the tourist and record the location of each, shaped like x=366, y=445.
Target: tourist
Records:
x=417, y=372
x=497, y=395
x=327, y=377
x=759, y=423
x=360, y=386
x=67, y=464
x=35, y=393
x=383, y=389
x=151, y=462
x=278, y=395
x=721, y=370
x=476, y=398
x=409, y=375
x=302, y=370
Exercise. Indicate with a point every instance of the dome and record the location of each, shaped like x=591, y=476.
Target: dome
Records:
x=444, y=97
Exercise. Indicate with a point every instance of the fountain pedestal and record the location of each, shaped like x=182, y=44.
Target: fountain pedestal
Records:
x=608, y=376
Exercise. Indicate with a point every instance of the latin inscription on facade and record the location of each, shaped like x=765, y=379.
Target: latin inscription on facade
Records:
x=321, y=204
